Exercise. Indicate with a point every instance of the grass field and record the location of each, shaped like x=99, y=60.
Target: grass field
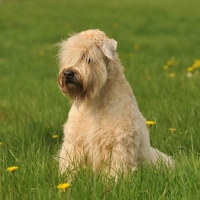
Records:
x=157, y=42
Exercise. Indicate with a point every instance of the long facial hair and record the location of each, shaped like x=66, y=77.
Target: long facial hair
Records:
x=74, y=90
x=90, y=77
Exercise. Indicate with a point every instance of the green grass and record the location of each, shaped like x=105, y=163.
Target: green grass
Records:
x=32, y=108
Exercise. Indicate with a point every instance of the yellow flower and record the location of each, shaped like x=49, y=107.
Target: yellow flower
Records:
x=172, y=129
x=63, y=186
x=170, y=62
x=150, y=122
x=12, y=169
x=0, y=143
x=189, y=69
x=41, y=53
x=196, y=65
x=165, y=67
x=55, y=136
x=136, y=47
x=172, y=75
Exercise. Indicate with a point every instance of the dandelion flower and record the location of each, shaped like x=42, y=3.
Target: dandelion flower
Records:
x=197, y=60
x=136, y=47
x=0, y=143
x=55, y=136
x=63, y=186
x=41, y=53
x=190, y=69
x=172, y=75
x=165, y=67
x=196, y=65
x=12, y=169
x=150, y=122
x=172, y=129
x=170, y=62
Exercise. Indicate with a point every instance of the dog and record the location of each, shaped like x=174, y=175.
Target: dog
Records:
x=105, y=128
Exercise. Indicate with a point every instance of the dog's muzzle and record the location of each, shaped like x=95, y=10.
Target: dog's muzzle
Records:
x=69, y=76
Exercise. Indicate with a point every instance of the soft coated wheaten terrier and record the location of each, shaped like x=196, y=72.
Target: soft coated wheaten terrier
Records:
x=105, y=127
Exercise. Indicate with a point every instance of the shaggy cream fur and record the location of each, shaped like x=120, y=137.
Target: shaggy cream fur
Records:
x=105, y=127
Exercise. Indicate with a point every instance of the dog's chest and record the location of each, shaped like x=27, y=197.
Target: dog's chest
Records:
x=98, y=127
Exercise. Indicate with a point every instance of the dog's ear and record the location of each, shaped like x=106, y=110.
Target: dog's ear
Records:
x=108, y=47
x=60, y=80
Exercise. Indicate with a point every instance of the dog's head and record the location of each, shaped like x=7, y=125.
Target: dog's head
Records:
x=83, y=62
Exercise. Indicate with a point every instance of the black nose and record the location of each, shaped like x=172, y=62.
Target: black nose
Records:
x=69, y=74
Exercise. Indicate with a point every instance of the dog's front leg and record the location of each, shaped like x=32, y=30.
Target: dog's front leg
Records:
x=67, y=158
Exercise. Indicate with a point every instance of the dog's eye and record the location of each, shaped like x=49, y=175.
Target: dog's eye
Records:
x=87, y=59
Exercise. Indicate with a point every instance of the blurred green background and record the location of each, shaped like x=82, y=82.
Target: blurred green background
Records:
x=157, y=42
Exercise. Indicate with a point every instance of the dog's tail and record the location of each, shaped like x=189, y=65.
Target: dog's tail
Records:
x=157, y=158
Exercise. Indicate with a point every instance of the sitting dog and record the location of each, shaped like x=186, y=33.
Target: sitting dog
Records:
x=105, y=127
